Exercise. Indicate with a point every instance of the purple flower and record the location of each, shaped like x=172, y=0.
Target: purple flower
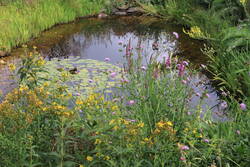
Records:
x=184, y=148
x=181, y=68
x=124, y=80
x=168, y=62
x=206, y=140
x=223, y=105
x=238, y=132
x=189, y=113
x=185, y=63
x=198, y=94
x=143, y=68
x=131, y=102
x=113, y=74
x=107, y=59
x=176, y=35
x=91, y=81
x=243, y=106
x=207, y=95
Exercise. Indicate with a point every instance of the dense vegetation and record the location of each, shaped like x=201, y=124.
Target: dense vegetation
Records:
x=148, y=120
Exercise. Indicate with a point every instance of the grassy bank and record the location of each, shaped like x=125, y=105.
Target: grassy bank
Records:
x=21, y=20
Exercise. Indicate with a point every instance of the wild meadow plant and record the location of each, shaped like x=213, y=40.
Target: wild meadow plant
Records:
x=149, y=123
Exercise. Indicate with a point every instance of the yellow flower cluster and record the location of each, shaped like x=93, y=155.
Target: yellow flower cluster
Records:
x=243, y=2
x=195, y=32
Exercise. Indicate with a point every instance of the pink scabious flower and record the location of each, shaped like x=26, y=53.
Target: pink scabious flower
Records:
x=184, y=148
x=113, y=74
x=243, y=106
x=168, y=62
x=176, y=35
x=107, y=59
x=131, y=102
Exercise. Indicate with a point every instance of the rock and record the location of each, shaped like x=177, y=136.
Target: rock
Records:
x=120, y=13
x=102, y=15
x=2, y=62
x=135, y=10
x=2, y=53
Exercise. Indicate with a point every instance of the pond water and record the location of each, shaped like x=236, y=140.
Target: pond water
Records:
x=98, y=39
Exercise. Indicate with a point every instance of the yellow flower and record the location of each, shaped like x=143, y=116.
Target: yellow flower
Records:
x=169, y=123
x=81, y=165
x=34, y=47
x=116, y=128
x=89, y=158
x=243, y=2
x=195, y=32
x=111, y=122
x=114, y=108
x=79, y=102
x=106, y=158
x=141, y=125
x=12, y=67
x=97, y=141
x=23, y=88
x=160, y=124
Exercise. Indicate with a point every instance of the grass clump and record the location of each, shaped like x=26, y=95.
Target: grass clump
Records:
x=21, y=20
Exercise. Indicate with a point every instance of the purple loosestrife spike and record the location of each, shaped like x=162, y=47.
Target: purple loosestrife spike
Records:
x=176, y=35
x=243, y=106
x=181, y=68
x=168, y=62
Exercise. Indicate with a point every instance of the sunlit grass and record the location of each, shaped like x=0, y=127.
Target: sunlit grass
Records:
x=20, y=21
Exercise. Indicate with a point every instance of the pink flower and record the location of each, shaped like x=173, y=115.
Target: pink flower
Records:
x=184, y=82
x=223, y=105
x=176, y=35
x=143, y=68
x=207, y=95
x=184, y=148
x=238, y=132
x=181, y=68
x=113, y=74
x=206, y=140
x=182, y=158
x=198, y=94
x=125, y=80
x=131, y=102
x=107, y=59
x=243, y=106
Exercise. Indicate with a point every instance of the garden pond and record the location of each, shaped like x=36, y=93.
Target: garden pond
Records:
x=94, y=45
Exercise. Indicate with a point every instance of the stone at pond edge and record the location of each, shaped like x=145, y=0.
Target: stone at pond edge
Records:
x=2, y=53
x=120, y=13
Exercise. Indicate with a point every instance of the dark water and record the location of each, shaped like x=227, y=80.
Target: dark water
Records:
x=104, y=38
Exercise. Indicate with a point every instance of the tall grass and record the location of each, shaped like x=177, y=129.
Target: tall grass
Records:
x=21, y=20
